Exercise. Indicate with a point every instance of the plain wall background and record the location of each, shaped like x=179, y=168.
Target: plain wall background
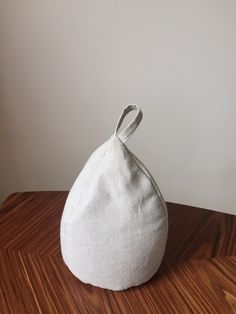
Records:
x=67, y=68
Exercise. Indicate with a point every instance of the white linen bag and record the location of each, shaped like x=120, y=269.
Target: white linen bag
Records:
x=114, y=225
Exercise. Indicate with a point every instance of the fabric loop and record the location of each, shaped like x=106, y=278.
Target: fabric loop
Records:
x=132, y=126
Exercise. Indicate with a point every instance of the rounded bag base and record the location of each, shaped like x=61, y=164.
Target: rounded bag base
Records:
x=118, y=287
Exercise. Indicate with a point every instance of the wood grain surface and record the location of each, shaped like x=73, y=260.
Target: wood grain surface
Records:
x=198, y=273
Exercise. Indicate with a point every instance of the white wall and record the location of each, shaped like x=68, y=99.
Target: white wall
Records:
x=68, y=67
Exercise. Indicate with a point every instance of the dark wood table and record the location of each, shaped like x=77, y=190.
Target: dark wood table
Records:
x=198, y=273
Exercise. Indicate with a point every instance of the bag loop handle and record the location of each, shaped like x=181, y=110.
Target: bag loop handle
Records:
x=132, y=126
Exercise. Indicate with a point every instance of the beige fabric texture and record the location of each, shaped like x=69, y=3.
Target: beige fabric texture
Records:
x=114, y=225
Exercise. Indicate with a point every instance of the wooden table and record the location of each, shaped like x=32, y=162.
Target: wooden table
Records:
x=198, y=273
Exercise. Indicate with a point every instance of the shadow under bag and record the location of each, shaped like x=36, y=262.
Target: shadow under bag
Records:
x=114, y=225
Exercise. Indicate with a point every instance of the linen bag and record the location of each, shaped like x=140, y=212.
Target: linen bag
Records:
x=114, y=225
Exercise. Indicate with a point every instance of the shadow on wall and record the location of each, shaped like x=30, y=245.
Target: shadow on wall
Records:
x=9, y=165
